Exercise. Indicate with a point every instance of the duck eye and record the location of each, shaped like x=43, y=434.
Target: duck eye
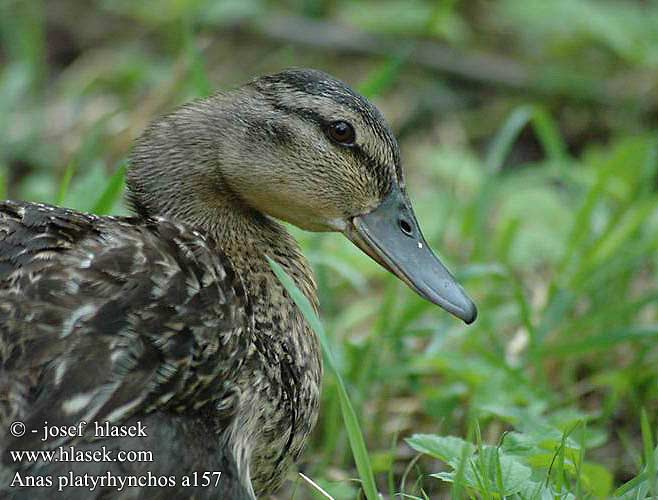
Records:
x=342, y=132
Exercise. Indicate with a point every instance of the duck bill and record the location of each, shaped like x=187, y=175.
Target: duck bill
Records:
x=391, y=236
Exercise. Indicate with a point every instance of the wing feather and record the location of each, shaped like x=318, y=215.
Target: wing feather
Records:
x=103, y=318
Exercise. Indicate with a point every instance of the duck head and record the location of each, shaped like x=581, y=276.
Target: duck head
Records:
x=303, y=147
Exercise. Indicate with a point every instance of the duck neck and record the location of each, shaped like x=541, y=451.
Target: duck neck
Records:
x=175, y=172
x=248, y=237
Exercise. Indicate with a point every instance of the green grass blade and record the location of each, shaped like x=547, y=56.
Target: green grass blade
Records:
x=548, y=134
x=112, y=192
x=383, y=77
x=581, y=458
x=649, y=458
x=500, y=483
x=502, y=143
x=545, y=128
x=616, y=237
x=605, y=341
x=637, y=483
x=198, y=73
x=316, y=487
x=66, y=182
x=354, y=434
x=649, y=170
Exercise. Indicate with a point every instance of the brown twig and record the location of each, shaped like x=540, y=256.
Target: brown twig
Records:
x=484, y=68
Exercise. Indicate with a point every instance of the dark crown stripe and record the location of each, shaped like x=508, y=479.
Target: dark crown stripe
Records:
x=317, y=83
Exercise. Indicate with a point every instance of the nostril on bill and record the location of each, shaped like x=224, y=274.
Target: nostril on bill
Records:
x=406, y=227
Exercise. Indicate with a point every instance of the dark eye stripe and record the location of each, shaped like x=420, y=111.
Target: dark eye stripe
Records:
x=316, y=83
x=305, y=113
x=355, y=149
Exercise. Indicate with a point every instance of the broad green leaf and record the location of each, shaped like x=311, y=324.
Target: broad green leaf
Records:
x=450, y=449
x=512, y=471
x=492, y=472
x=596, y=479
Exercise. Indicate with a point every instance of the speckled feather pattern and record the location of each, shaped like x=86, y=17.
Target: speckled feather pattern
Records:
x=105, y=318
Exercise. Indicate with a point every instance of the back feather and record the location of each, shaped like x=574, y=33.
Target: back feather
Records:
x=102, y=318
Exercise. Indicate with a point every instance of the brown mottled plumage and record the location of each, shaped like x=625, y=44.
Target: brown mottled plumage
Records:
x=173, y=317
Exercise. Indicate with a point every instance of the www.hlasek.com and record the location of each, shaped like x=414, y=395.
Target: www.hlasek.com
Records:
x=32, y=470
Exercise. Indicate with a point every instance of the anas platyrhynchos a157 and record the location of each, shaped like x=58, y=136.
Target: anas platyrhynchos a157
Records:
x=173, y=318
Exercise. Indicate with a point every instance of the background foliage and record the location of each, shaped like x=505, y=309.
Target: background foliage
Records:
x=529, y=134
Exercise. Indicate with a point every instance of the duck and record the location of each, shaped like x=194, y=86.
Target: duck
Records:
x=170, y=322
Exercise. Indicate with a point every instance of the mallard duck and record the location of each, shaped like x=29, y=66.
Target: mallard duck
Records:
x=172, y=319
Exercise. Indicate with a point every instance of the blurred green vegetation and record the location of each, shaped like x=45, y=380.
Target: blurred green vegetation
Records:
x=529, y=131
